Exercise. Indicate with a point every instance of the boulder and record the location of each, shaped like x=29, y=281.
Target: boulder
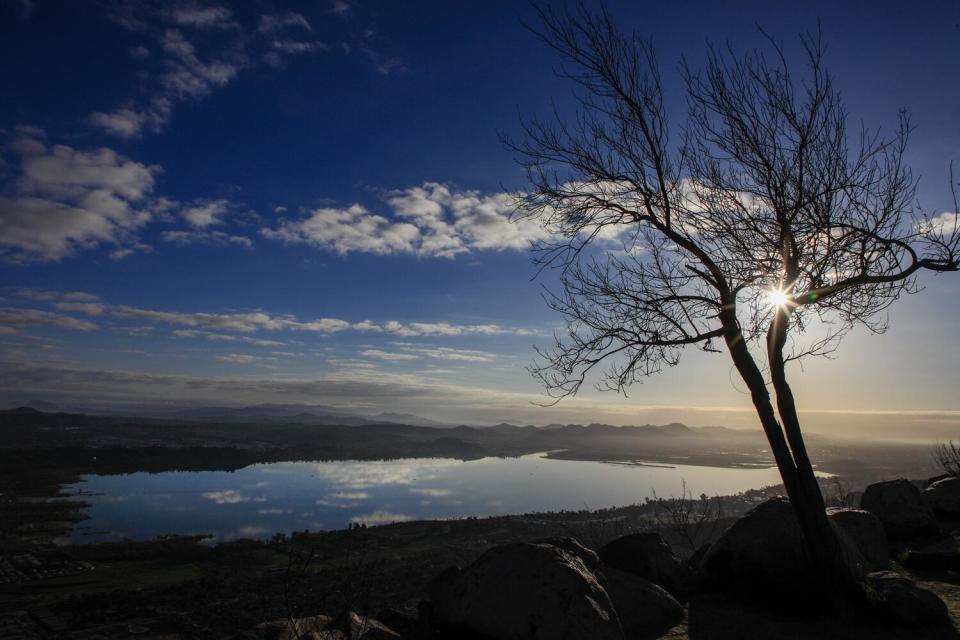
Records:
x=646, y=555
x=645, y=610
x=572, y=545
x=866, y=532
x=697, y=557
x=524, y=591
x=901, y=508
x=763, y=555
x=899, y=599
x=943, y=496
x=936, y=478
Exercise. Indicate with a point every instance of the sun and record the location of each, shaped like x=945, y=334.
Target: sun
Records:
x=777, y=298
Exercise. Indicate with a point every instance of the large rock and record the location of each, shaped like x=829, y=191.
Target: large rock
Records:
x=572, y=545
x=645, y=610
x=900, y=599
x=937, y=478
x=763, y=555
x=524, y=591
x=866, y=532
x=943, y=496
x=901, y=508
x=940, y=553
x=646, y=555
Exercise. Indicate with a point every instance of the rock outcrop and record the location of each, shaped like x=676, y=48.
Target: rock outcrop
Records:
x=645, y=610
x=866, y=532
x=572, y=545
x=901, y=508
x=524, y=591
x=763, y=556
x=647, y=555
x=943, y=496
x=899, y=599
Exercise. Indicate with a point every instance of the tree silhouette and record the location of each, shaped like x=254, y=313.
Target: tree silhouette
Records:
x=760, y=225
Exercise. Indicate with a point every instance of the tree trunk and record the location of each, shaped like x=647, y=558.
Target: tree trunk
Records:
x=837, y=583
x=826, y=551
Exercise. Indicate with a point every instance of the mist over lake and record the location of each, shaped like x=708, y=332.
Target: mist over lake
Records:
x=262, y=499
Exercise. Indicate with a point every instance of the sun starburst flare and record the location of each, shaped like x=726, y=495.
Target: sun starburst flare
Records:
x=777, y=298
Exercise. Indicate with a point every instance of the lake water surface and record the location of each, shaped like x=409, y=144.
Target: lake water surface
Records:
x=262, y=499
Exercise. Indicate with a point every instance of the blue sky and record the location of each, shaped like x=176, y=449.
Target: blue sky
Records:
x=309, y=202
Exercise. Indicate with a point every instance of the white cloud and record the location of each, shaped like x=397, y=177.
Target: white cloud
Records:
x=381, y=517
x=431, y=221
x=385, y=355
x=127, y=122
x=64, y=172
x=68, y=199
x=228, y=496
x=448, y=353
x=414, y=329
x=207, y=213
x=946, y=224
x=294, y=47
x=346, y=230
x=204, y=17
x=243, y=358
x=433, y=493
x=276, y=22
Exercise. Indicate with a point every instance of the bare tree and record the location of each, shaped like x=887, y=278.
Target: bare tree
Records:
x=760, y=224
x=947, y=457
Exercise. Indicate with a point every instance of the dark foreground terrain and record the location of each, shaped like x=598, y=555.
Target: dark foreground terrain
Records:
x=182, y=587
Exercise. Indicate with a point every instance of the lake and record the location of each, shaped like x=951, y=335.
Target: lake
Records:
x=263, y=499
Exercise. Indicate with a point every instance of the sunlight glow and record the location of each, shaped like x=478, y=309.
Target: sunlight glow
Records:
x=777, y=298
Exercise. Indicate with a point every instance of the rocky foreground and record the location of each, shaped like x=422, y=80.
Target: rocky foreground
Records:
x=754, y=581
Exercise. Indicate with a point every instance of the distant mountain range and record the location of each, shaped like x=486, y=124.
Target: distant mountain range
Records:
x=318, y=414
x=266, y=412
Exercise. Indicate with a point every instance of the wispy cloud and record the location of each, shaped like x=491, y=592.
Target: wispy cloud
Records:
x=13, y=318
x=88, y=308
x=264, y=321
x=244, y=358
x=222, y=326
x=409, y=352
x=385, y=355
x=49, y=295
x=214, y=238
x=190, y=65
